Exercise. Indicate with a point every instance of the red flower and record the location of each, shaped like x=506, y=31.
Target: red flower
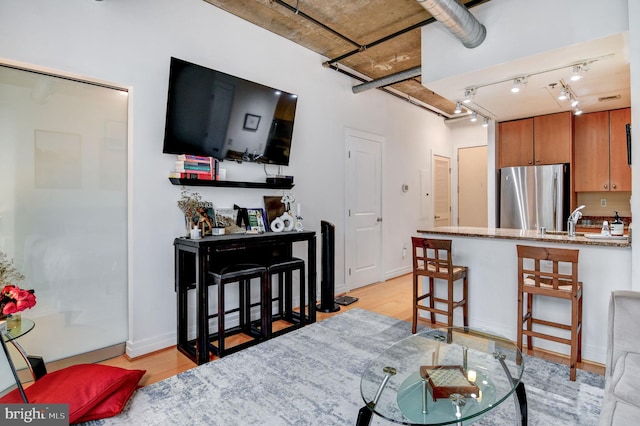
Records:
x=13, y=299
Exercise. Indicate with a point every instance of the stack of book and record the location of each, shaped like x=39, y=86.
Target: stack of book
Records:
x=195, y=167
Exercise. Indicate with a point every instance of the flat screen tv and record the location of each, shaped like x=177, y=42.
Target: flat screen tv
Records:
x=214, y=114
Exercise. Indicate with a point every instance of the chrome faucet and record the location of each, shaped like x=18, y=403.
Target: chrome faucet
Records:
x=573, y=220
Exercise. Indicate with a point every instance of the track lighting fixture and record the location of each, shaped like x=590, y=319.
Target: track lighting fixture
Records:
x=574, y=102
x=474, y=117
x=577, y=72
x=468, y=95
x=518, y=83
x=485, y=122
x=577, y=111
x=458, y=109
x=563, y=94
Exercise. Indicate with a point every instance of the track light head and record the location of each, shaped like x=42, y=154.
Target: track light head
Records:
x=469, y=95
x=474, y=117
x=485, y=122
x=563, y=94
x=577, y=72
x=518, y=83
x=458, y=109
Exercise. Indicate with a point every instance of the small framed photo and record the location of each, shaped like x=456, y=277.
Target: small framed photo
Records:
x=251, y=122
x=257, y=220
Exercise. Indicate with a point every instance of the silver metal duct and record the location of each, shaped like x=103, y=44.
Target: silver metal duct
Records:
x=458, y=20
x=386, y=81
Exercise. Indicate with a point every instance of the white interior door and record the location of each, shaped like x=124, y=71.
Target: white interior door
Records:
x=441, y=191
x=472, y=186
x=363, y=236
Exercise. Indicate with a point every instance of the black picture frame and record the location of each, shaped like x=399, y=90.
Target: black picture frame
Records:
x=251, y=122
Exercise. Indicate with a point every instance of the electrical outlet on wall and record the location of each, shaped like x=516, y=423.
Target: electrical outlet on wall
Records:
x=404, y=251
x=603, y=202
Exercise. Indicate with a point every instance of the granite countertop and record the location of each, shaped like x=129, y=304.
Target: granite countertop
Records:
x=519, y=234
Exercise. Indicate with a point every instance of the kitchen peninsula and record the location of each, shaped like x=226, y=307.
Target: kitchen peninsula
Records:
x=490, y=255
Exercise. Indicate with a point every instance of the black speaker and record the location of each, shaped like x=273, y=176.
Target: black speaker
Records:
x=328, y=283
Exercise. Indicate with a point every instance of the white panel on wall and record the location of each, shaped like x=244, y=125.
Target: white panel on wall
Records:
x=63, y=200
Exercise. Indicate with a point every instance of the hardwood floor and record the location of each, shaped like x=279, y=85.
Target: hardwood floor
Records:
x=391, y=298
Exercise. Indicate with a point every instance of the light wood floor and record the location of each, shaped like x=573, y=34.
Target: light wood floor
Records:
x=391, y=298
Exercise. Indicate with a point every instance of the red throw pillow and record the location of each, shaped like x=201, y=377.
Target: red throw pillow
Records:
x=93, y=391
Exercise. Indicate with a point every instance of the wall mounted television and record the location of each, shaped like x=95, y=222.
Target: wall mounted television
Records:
x=214, y=114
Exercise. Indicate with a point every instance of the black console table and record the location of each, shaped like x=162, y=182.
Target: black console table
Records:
x=194, y=257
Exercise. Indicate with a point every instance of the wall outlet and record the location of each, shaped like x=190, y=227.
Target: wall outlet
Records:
x=404, y=251
x=603, y=202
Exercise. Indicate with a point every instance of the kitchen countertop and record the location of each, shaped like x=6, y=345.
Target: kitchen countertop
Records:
x=519, y=234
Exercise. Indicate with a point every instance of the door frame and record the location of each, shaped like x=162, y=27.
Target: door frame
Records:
x=350, y=132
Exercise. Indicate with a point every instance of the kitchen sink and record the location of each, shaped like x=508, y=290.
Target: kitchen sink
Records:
x=578, y=234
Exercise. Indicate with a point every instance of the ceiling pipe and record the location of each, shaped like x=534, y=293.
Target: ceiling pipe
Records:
x=388, y=80
x=458, y=20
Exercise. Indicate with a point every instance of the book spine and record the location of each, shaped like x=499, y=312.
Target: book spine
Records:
x=196, y=171
x=195, y=158
x=193, y=166
x=188, y=175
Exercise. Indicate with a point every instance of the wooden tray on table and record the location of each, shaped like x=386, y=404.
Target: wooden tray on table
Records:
x=445, y=380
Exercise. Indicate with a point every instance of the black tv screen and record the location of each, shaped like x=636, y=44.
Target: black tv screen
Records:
x=214, y=114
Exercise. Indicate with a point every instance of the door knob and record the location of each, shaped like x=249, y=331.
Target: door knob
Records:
x=436, y=217
x=379, y=219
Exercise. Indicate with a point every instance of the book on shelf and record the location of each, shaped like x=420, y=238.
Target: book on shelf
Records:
x=194, y=158
x=185, y=165
x=189, y=175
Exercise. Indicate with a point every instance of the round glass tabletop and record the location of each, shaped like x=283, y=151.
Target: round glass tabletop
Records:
x=17, y=329
x=442, y=376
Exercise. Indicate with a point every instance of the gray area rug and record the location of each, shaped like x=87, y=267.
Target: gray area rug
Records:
x=311, y=376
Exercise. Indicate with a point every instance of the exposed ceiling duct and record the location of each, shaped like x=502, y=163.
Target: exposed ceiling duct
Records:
x=458, y=20
x=388, y=80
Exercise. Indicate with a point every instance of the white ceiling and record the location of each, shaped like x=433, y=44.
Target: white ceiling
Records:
x=608, y=76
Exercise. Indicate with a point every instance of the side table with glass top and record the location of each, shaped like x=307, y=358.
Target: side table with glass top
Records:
x=34, y=363
x=443, y=376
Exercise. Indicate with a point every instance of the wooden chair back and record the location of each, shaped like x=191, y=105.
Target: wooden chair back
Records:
x=432, y=257
x=557, y=278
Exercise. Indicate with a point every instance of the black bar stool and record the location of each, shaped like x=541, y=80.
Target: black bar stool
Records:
x=283, y=268
x=242, y=274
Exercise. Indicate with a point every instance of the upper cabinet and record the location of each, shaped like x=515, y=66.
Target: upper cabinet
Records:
x=601, y=151
x=545, y=139
x=516, y=143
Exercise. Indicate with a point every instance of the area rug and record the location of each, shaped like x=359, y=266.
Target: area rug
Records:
x=311, y=376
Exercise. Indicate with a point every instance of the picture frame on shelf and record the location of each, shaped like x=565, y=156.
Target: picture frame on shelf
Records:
x=226, y=217
x=257, y=220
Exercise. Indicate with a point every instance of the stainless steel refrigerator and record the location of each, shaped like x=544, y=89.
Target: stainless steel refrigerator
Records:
x=534, y=196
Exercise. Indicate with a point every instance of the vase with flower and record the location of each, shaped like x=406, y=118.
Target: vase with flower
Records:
x=13, y=299
x=188, y=204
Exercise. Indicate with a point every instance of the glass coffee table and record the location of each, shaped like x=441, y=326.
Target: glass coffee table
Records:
x=443, y=376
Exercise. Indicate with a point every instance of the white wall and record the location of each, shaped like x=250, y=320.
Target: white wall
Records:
x=129, y=43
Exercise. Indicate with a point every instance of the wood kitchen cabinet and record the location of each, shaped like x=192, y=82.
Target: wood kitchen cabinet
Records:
x=516, y=143
x=601, y=151
x=544, y=139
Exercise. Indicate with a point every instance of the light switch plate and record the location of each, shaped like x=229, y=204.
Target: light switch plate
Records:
x=603, y=202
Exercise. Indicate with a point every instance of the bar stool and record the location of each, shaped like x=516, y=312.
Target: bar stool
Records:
x=534, y=281
x=283, y=268
x=432, y=259
x=242, y=274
